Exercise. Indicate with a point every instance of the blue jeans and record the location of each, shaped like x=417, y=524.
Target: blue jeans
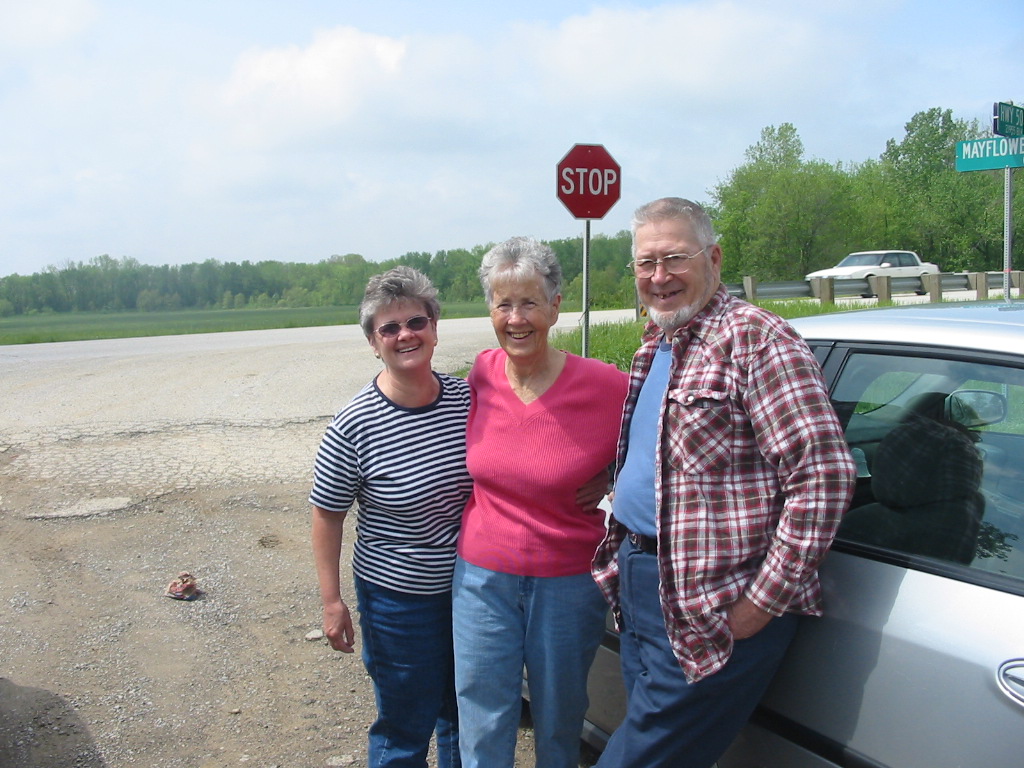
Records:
x=407, y=650
x=553, y=626
x=670, y=722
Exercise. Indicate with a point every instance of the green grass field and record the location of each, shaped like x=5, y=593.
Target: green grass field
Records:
x=79, y=326
x=616, y=342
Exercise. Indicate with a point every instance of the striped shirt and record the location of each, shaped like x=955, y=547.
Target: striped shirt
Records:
x=406, y=468
x=752, y=477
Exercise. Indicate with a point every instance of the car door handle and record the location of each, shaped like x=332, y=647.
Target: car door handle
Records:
x=1010, y=678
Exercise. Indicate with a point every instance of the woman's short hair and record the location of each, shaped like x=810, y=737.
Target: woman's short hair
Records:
x=521, y=258
x=676, y=209
x=398, y=284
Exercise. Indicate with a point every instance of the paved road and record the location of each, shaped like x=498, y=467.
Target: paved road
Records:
x=152, y=415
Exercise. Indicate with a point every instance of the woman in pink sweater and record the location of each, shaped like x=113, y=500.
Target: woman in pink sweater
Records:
x=542, y=429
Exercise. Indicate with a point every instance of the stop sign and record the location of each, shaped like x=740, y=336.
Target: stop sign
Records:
x=588, y=181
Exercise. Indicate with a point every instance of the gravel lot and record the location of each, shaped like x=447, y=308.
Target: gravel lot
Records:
x=124, y=462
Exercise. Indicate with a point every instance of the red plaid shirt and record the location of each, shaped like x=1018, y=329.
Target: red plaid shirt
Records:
x=753, y=476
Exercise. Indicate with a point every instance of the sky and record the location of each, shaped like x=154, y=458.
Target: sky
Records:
x=254, y=130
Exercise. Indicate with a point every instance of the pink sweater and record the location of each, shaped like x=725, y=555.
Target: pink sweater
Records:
x=527, y=462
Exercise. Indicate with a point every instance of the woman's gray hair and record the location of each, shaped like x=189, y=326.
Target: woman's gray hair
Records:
x=676, y=209
x=521, y=258
x=398, y=284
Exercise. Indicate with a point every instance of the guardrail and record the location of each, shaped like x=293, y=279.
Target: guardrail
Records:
x=828, y=289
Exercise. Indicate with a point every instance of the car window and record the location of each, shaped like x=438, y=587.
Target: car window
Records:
x=820, y=352
x=938, y=445
x=861, y=260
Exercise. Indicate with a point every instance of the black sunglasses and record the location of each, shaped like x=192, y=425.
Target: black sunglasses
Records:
x=415, y=323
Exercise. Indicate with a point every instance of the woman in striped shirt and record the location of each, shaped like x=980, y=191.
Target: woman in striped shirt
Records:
x=398, y=451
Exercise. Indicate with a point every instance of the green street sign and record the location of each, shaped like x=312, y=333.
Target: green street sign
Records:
x=990, y=154
x=1007, y=120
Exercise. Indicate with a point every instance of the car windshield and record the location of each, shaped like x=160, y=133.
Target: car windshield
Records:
x=862, y=260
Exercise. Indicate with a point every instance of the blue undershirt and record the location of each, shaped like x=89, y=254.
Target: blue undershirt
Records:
x=634, y=504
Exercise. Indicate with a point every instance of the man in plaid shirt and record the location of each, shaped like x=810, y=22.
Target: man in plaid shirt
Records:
x=732, y=477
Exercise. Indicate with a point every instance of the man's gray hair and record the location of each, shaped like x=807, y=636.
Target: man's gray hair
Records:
x=676, y=208
x=521, y=258
x=395, y=285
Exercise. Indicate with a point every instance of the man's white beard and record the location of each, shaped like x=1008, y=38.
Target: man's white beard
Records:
x=670, y=322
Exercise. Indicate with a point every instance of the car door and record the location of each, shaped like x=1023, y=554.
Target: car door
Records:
x=919, y=659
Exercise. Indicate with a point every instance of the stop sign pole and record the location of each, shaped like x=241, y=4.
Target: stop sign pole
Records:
x=588, y=182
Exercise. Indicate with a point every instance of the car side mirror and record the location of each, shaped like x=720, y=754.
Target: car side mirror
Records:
x=885, y=264
x=976, y=407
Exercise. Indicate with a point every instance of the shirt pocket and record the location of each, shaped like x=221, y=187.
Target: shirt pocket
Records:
x=698, y=430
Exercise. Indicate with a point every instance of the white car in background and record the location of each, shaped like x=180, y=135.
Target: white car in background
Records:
x=864, y=264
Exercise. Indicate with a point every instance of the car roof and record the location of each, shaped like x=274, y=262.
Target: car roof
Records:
x=888, y=250
x=991, y=326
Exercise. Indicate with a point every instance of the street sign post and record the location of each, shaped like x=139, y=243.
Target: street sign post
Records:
x=1007, y=119
x=1000, y=152
x=588, y=182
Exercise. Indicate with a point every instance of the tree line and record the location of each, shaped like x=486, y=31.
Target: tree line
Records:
x=107, y=284
x=779, y=215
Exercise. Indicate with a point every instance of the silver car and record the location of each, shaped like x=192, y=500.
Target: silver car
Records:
x=919, y=660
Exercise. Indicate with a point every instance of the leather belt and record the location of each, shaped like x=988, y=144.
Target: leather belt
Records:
x=645, y=544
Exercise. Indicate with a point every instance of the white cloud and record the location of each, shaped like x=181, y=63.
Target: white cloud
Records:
x=694, y=50
x=277, y=94
x=26, y=25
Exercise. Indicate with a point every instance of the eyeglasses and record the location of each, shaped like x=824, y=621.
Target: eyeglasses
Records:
x=415, y=323
x=674, y=263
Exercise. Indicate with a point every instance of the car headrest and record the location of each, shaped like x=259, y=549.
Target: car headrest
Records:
x=922, y=461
